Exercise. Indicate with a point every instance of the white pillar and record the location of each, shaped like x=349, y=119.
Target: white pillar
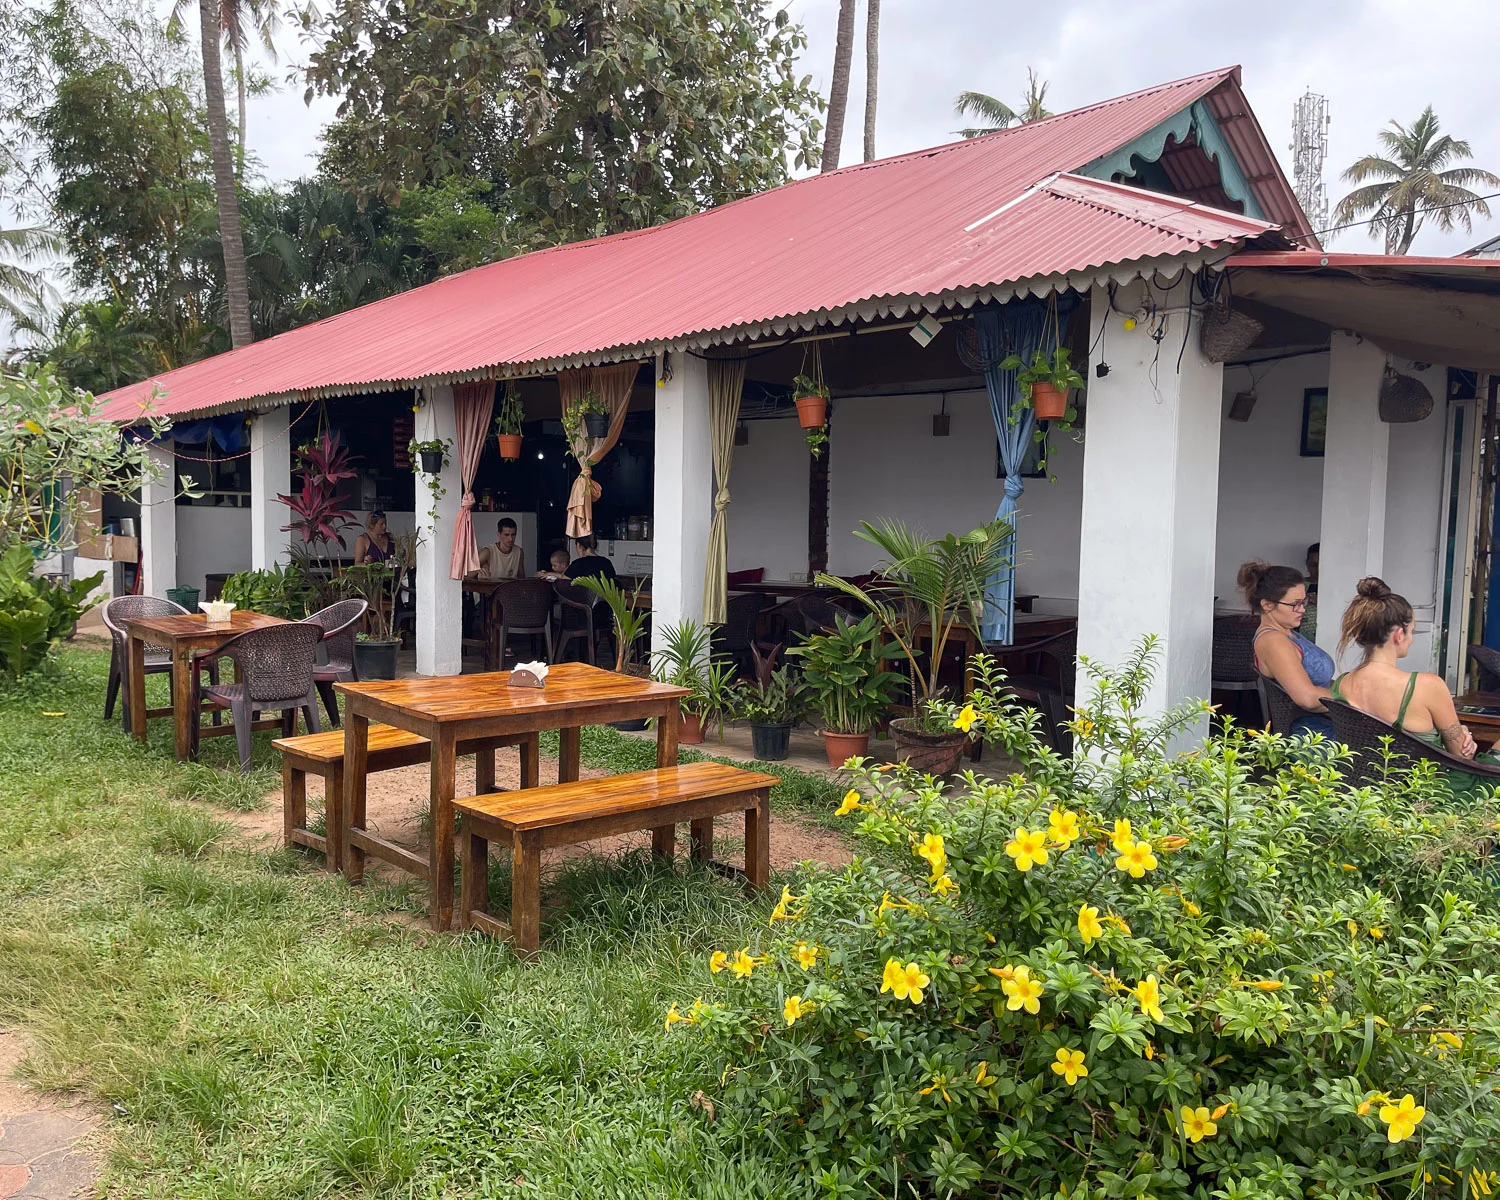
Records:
x=682, y=507
x=270, y=476
x=1352, y=536
x=159, y=522
x=1150, y=498
x=439, y=598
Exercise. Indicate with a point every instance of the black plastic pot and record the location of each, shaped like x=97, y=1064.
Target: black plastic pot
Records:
x=596, y=425
x=431, y=460
x=771, y=743
x=631, y=726
x=375, y=660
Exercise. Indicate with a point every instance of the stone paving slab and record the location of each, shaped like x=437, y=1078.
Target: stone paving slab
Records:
x=44, y=1139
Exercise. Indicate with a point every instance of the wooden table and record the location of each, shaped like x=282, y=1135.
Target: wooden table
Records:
x=187, y=637
x=455, y=708
x=1484, y=726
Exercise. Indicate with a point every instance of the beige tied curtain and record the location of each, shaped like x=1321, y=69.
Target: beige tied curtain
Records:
x=613, y=383
x=726, y=379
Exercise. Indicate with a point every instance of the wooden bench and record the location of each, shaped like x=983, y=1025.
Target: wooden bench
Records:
x=567, y=813
x=323, y=754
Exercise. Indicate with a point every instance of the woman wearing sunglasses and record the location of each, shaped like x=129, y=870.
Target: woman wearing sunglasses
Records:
x=1278, y=596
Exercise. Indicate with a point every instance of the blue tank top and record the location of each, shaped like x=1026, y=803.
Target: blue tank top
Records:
x=1317, y=662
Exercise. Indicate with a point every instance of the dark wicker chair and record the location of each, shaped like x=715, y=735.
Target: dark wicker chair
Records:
x=1488, y=662
x=338, y=623
x=158, y=658
x=522, y=607
x=1050, y=693
x=275, y=675
x=576, y=621
x=1362, y=733
x=1280, y=709
x=736, y=637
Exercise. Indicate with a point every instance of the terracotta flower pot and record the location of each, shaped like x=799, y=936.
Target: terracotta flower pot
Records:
x=841, y=746
x=930, y=753
x=812, y=411
x=510, y=445
x=690, y=730
x=1050, y=401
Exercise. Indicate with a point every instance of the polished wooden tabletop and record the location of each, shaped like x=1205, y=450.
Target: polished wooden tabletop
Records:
x=575, y=686
x=195, y=625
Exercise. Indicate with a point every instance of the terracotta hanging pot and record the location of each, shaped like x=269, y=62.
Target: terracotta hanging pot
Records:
x=812, y=411
x=1049, y=400
x=510, y=445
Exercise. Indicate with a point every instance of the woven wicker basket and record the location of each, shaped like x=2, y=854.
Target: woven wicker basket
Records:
x=1224, y=334
x=1404, y=400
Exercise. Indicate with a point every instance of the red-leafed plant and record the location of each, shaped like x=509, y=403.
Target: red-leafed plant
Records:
x=317, y=515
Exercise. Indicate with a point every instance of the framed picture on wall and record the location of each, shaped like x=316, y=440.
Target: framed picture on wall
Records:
x=1314, y=421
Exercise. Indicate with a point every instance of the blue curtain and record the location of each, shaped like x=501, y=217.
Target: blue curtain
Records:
x=226, y=431
x=1020, y=327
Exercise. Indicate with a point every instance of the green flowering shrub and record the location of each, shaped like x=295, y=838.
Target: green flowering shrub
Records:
x=1225, y=973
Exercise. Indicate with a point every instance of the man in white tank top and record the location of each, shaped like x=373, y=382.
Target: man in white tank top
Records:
x=504, y=559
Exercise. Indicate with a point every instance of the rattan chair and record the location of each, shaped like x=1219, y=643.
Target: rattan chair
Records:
x=736, y=637
x=1363, y=734
x=158, y=658
x=575, y=621
x=275, y=668
x=1280, y=709
x=521, y=607
x=337, y=622
x=1234, y=667
x=1488, y=662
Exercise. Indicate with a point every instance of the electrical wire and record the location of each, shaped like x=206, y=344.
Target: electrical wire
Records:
x=1422, y=212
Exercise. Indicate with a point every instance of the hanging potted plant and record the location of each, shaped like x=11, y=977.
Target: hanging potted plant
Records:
x=810, y=393
x=588, y=416
x=429, y=454
x=848, y=683
x=772, y=709
x=1046, y=382
x=816, y=439
x=508, y=423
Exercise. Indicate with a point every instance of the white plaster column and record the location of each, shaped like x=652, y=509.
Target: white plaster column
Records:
x=158, y=529
x=1150, y=497
x=1352, y=536
x=439, y=598
x=270, y=476
x=682, y=508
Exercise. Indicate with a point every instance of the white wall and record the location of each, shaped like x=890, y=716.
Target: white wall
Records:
x=211, y=539
x=768, y=500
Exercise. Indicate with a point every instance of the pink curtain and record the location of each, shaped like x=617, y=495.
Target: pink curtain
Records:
x=613, y=383
x=472, y=405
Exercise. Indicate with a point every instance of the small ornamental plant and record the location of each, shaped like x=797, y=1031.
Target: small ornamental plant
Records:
x=1227, y=972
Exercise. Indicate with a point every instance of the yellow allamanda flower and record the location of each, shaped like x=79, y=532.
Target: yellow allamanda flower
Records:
x=781, y=911
x=1148, y=995
x=1023, y=990
x=1082, y=726
x=796, y=1007
x=717, y=961
x=1028, y=848
x=806, y=956
x=673, y=1017
x=939, y=1085
x=904, y=982
x=1063, y=827
x=1089, y=925
x=1197, y=1123
x=966, y=718
x=931, y=849
x=1403, y=1118
x=742, y=964
x=983, y=1077
x=1118, y=922
x=1135, y=859
x=1122, y=835
x=1069, y=1065
x=850, y=803
x=945, y=886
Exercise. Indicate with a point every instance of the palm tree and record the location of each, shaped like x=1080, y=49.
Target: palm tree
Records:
x=996, y=114
x=23, y=289
x=872, y=74
x=1415, y=181
x=239, y=22
x=838, y=89
x=235, y=286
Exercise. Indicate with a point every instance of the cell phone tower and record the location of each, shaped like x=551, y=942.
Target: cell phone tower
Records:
x=1309, y=151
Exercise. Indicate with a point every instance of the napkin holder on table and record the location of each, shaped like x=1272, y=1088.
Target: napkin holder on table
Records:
x=528, y=675
x=218, y=611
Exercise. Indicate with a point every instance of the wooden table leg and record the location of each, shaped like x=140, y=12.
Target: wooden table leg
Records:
x=526, y=892
x=484, y=772
x=184, y=714
x=475, y=878
x=293, y=800
x=569, y=746
x=758, y=841
x=701, y=834
x=135, y=686
x=352, y=811
x=531, y=766
x=333, y=818
x=440, y=879
x=664, y=837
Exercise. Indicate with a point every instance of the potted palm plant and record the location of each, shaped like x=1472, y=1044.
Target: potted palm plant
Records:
x=1046, y=382
x=772, y=708
x=379, y=585
x=684, y=661
x=925, y=588
x=508, y=423
x=630, y=625
x=847, y=681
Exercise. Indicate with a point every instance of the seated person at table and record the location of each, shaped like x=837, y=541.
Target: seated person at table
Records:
x=375, y=544
x=504, y=559
x=558, y=568
x=1380, y=623
x=1278, y=596
x=589, y=561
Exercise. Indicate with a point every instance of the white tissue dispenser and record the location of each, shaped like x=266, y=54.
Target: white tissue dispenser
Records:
x=218, y=611
x=530, y=675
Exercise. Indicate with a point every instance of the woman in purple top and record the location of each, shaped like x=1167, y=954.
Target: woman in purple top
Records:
x=375, y=544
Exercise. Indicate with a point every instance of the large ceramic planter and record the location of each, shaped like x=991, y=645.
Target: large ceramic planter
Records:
x=771, y=743
x=1050, y=401
x=930, y=753
x=690, y=730
x=375, y=660
x=510, y=445
x=841, y=746
x=812, y=411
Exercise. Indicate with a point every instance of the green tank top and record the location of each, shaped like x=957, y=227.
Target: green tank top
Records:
x=1431, y=735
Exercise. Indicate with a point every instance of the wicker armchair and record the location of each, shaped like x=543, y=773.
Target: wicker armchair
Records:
x=275, y=675
x=1362, y=733
x=576, y=620
x=521, y=607
x=158, y=658
x=736, y=637
x=1488, y=662
x=338, y=622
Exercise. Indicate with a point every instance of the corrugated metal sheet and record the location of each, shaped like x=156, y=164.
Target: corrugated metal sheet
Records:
x=907, y=227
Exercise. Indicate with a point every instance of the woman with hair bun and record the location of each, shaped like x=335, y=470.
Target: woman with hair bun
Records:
x=1380, y=623
x=1278, y=596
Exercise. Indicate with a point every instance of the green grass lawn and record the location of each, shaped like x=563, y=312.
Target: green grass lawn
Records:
x=263, y=1030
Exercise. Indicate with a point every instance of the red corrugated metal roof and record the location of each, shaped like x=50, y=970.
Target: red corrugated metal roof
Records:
x=959, y=219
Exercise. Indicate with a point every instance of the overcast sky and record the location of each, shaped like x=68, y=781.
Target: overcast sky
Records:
x=1374, y=59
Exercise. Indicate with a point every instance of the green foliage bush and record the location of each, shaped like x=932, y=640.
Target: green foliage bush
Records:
x=1131, y=973
x=35, y=613
x=276, y=591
